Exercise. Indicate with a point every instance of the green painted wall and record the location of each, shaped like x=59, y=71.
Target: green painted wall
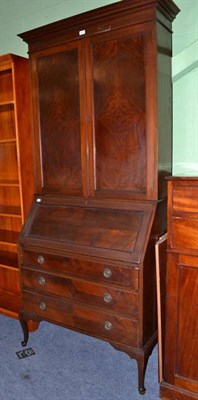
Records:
x=185, y=89
x=17, y=16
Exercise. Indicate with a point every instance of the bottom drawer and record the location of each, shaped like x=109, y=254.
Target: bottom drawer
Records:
x=88, y=320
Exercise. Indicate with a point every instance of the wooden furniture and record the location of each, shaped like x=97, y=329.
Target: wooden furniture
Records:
x=16, y=173
x=101, y=85
x=181, y=324
x=161, y=262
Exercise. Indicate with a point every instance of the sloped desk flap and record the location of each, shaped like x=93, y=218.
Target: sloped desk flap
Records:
x=120, y=234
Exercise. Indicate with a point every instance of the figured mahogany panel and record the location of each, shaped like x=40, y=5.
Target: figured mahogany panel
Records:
x=90, y=227
x=118, y=233
x=119, y=114
x=185, y=198
x=106, y=297
x=60, y=121
x=79, y=317
x=185, y=233
x=187, y=328
x=82, y=268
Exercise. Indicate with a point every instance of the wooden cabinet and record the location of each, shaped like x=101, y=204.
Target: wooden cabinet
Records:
x=16, y=173
x=101, y=85
x=181, y=325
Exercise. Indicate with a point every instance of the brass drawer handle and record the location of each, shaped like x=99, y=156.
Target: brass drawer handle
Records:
x=42, y=280
x=40, y=259
x=42, y=305
x=107, y=298
x=107, y=273
x=108, y=325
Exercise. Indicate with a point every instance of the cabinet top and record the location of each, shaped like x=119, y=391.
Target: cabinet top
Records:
x=109, y=17
x=9, y=57
x=183, y=177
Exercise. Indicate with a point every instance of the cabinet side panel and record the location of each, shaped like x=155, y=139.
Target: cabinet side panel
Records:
x=164, y=107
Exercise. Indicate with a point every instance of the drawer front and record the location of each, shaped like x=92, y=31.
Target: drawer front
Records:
x=185, y=233
x=102, y=296
x=185, y=199
x=90, y=321
x=83, y=269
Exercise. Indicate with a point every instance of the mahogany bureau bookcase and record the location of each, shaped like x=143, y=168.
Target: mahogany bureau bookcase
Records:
x=180, y=365
x=101, y=88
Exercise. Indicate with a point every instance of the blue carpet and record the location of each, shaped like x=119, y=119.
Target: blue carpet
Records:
x=68, y=366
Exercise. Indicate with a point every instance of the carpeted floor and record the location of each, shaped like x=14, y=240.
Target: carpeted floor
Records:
x=68, y=366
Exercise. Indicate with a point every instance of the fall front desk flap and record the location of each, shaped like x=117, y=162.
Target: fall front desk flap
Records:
x=120, y=233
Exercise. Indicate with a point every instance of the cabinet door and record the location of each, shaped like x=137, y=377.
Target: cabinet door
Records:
x=58, y=74
x=119, y=133
x=181, y=351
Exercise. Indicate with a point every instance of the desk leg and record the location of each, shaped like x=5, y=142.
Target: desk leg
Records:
x=24, y=326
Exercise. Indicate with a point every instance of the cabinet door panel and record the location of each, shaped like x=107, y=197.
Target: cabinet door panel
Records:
x=59, y=106
x=119, y=114
x=187, y=341
x=181, y=344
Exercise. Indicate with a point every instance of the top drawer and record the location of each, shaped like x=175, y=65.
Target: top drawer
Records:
x=83, y=269
x=183, y=215
x=185, y=199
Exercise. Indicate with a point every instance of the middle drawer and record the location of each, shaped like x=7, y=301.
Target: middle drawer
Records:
x=102, y=296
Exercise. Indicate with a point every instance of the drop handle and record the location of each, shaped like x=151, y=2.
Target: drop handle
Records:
x=40, y=259
x=108, y=325
x=107, y=298
x=42, y=280
x=107, y=273
x=42, y=306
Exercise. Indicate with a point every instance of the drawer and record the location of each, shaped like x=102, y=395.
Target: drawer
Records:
x=102, y=296
x=84, y=319
x=81, y=268
x=185, y=199
x=185, y=233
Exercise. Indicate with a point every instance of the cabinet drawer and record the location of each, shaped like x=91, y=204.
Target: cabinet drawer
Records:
x=102, y=296
x=90, y=321
x=81, y=268
x=185, y=233
x=185, y=199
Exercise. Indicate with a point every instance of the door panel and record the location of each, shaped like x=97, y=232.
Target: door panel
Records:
x=187, y=329
x=119, y=121
x=59, y=88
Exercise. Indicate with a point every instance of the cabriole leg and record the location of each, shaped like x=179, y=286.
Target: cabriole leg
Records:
x=142, y=361
x=24, y=326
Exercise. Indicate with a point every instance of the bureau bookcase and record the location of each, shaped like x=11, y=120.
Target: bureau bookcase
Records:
x=16, y=173
x=101, y=88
